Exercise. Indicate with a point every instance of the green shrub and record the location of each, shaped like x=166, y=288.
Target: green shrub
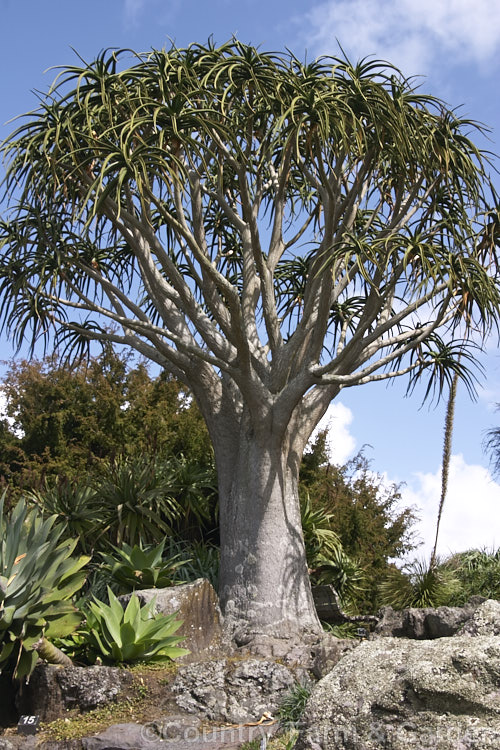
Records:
x=124, y=636
x=327, y=561
x=419, y=584
x=478, y=573
x=38, y=578
x=139, y=567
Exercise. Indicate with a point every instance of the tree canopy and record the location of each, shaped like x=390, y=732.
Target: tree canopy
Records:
x=249, y=210
x=270, y=232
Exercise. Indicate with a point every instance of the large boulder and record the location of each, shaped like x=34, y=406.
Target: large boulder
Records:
x=398, y=694
x=425, y=623
x=229, y=690
x=197, y=606
x=52, y=691
x=485, y=620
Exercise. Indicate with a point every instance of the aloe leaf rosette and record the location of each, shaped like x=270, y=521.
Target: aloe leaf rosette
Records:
x=123, y=636
x=141, y=567
x=38, y=578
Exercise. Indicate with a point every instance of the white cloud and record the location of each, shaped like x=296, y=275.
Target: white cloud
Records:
x=4, y=415
x=133, y=9
x=471, y=513
x=412, y=35
x=340, y=442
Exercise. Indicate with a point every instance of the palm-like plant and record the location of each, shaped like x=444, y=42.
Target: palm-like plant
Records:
x=137, y=499
x=419, y=584
x=328, y=563
x=161, y=206
x=76, y=507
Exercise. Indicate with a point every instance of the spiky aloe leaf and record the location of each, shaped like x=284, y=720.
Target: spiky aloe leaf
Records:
x=131, y=634
x=39, y=577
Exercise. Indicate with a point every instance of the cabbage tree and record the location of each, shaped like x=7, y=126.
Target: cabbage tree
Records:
x=271, y=232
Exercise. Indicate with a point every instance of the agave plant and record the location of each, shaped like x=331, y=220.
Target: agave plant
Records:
x=136, y=567
x=124, y=636
x=38, y=577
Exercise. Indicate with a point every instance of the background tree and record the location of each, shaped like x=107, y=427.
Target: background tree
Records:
x=367, y=515
x=66, y=421
x=267, y=231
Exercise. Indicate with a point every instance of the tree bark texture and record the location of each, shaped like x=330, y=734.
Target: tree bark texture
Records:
x=264, y=584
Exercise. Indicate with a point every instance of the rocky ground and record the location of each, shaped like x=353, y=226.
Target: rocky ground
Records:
x=423, y=676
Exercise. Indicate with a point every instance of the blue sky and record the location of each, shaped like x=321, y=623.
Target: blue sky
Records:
x=453, y=46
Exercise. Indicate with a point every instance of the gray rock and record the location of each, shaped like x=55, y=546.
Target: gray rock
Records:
x=485, y=620
x=198, y=608
x=153, y=737
x=51, y=690
x=329, y=609
x=425, y=623
x=401, y=694
x=232, y=691
x=313, y=652
x=329, y=652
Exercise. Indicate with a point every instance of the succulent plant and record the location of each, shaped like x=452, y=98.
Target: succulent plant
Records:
x=124, y=636
x=137, y=567
x=38, y=577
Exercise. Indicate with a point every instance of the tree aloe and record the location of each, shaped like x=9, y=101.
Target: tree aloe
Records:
x=268, y=231
x=38, y=577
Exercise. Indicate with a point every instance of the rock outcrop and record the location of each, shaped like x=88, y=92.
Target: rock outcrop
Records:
x=400, y=694
x=425, y=623
x=52, y=691
x=234, y=691
x=197, y=606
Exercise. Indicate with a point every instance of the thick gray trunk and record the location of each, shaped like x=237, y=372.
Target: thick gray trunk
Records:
x=264, y=583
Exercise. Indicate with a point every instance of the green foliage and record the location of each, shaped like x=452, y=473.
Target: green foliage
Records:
x=344, y=630
x=77, y=508
x=365, y=514
x=133, y=634
x=478, y=572
x=137, y=499
x=451, y=582
x=418, y=584
x=293, y=705
x=200, y=560
x=319, y=538
x=139, y=567
x=327, y=561
x=67, y=420
x=38, y=578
